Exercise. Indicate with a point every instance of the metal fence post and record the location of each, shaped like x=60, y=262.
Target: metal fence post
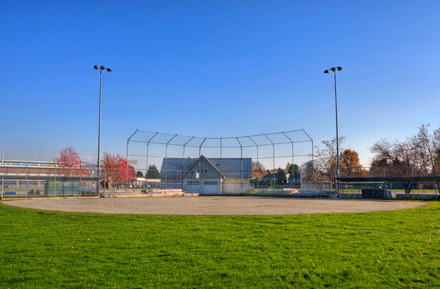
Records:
x=412, y=179
x=436, y=188
x=200, y=166
x=273, y=161
x=258, y=160
x=241, y=166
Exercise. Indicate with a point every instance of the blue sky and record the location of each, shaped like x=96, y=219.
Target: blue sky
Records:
x=214, y=69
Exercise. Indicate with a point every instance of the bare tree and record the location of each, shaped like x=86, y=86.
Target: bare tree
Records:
x=429, y=144
x=415, y=156
x=325, y=159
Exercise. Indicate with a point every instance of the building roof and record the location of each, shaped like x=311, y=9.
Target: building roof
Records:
x=230, y=167
x=270, y=176
x=207, y=161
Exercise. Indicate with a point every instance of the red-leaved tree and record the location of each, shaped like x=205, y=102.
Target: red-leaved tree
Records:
x=115, y=170
x=69, y=163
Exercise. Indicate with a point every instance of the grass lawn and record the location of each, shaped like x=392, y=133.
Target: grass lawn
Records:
x=41, y=249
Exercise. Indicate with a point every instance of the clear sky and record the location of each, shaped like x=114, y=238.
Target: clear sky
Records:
x=214, y=69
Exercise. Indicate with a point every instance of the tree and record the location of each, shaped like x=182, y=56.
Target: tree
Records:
x=308, y=174
x=349, y=161
x=430, y=143
x=325, y=161
x=286, y=170
x=70, y=163
x=292, y=170
x=152, y=172
x=281, y=176
x=115, y=170
x=417, y=155
x=139, y=174
x=258, y=169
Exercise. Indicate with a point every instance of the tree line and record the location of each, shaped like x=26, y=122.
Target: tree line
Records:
x=417, y=155
x=282, y=176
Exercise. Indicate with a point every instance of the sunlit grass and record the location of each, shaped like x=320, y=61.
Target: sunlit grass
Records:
x=41, y=249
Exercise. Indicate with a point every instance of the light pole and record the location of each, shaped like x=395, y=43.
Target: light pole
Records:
x=337, y=136
x=101, y=68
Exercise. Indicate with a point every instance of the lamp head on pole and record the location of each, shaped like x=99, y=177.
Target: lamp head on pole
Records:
x=333, y=69
x=102, y=68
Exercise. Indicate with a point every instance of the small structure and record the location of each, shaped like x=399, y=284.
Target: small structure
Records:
x=207, y=176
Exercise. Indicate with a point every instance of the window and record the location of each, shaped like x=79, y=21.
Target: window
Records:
x=205, y=171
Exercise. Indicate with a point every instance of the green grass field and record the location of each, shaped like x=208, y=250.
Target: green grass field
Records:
x=41, y=249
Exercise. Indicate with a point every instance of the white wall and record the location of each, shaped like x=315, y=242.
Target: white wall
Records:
x=235, y=186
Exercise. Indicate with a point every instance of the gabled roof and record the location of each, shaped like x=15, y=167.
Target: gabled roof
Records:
x=175, y=168
x=203, y=158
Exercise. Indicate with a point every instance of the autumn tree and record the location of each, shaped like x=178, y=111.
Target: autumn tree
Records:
x=115, y=170
x=69, y=163
x=258, y=169
x=349, y=161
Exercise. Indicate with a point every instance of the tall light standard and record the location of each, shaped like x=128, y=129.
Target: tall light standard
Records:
x=99, y=129
x=336, y=109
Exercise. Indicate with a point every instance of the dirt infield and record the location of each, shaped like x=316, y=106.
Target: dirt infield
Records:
x=213, y=205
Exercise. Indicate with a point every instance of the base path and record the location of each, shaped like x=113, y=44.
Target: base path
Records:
x=213, y=205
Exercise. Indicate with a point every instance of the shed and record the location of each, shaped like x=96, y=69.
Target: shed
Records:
x=207, y=176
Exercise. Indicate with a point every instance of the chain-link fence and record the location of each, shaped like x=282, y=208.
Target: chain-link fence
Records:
x=233, y=167
x=230, y=165
x=49, y=181
x=391, y=182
